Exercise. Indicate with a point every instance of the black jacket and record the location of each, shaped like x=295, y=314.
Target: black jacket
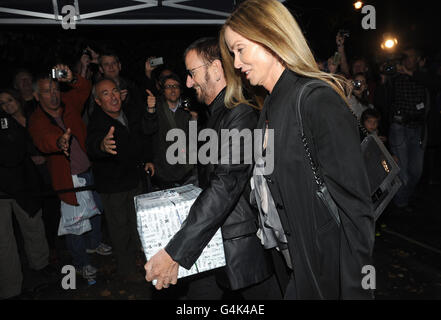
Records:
x=20, y=179
x=327, y=259
x=120, y=172
x=165, y=172
x=225, y=203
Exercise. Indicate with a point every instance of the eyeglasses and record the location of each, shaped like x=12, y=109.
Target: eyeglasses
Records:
x=172, y=86
x=190, y=72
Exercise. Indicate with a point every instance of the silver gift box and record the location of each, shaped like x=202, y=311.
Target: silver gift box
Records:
x=160, y=216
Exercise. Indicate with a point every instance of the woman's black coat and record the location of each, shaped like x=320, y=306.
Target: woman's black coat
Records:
x=327, y=259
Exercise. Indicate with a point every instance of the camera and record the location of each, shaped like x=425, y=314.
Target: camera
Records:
x=88, y=53
x=59, y=74
x=186, y=104
x=389, y=68
x=156, y=62
x=357, y=84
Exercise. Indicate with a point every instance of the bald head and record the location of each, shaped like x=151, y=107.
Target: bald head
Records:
x=107, y=95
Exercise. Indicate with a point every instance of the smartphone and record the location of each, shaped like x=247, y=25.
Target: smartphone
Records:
x=156, y=62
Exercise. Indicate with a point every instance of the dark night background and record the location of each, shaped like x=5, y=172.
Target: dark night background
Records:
x=38, y=46
x=407, y=268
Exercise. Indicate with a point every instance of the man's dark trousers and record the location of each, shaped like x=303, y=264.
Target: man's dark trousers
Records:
x=119, y=209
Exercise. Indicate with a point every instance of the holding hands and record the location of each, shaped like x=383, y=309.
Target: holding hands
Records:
x=162, y=270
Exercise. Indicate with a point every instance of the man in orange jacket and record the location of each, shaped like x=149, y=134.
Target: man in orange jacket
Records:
x=59, y=132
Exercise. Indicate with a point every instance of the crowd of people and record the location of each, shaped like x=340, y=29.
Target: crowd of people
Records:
x=81, y=140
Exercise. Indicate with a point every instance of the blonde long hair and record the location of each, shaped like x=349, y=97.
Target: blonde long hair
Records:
x=270, y=24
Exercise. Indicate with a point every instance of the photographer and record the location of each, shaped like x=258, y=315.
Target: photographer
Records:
x=59, y=132
x=359, y=100
x=169, y=113
x=19, y=183
x=403, y=97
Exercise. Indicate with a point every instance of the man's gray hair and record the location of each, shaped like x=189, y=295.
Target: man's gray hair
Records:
x=95, y=94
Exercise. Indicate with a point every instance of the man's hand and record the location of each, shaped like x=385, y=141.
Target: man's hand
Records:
x=108, y=144
x=403, y=70
x=63, y=142
x=124, y=94
x=150, y=167
x=151, y=101
x=163, y=269
x=69, y=77
x=94, y=55
x=38, y=160
x=148, y=67
x=340, y=40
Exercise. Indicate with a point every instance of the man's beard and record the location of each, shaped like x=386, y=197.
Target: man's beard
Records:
x=202, y=95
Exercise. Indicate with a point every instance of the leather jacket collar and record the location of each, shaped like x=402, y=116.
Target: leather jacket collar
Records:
x=217, y=104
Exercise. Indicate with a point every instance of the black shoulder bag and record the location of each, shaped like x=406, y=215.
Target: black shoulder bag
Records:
x=381, y=168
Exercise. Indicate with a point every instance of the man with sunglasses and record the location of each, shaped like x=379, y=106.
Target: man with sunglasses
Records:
x=168, y=113
x=224, y=202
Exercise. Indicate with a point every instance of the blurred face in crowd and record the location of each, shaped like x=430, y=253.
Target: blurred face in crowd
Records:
x=363, y=88
x=252, y=59
x=359, y=66
x=172, y=90
x=9, y=104
x=371, y=124
x=48, y=94
x=200, y=77
x=23, y=83
x=110, y=67
x=108, y=97
x=410, y=60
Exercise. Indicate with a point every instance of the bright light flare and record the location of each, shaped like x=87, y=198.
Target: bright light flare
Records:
x=358, y=5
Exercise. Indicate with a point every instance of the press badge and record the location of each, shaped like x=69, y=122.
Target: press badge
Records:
x=4, y=123
x=420, y=106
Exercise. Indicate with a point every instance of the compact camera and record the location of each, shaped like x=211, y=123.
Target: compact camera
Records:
x=59, y=74
x=357, y=84
x=156, y=62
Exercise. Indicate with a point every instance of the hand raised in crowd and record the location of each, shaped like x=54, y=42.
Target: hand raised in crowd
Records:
x=148, y=67
x=403, y=70
x=94, y=55
x=69, y=76
x=124, y=94
x=108, y=144
x=63, y=142
x=151, y=101
x=162, y=268
x=340, y=40
x=150, y=168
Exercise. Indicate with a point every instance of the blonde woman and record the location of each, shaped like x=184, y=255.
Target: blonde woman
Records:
x=262, y=42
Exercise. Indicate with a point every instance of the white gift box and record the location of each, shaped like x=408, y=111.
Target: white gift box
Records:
x=160, y=216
